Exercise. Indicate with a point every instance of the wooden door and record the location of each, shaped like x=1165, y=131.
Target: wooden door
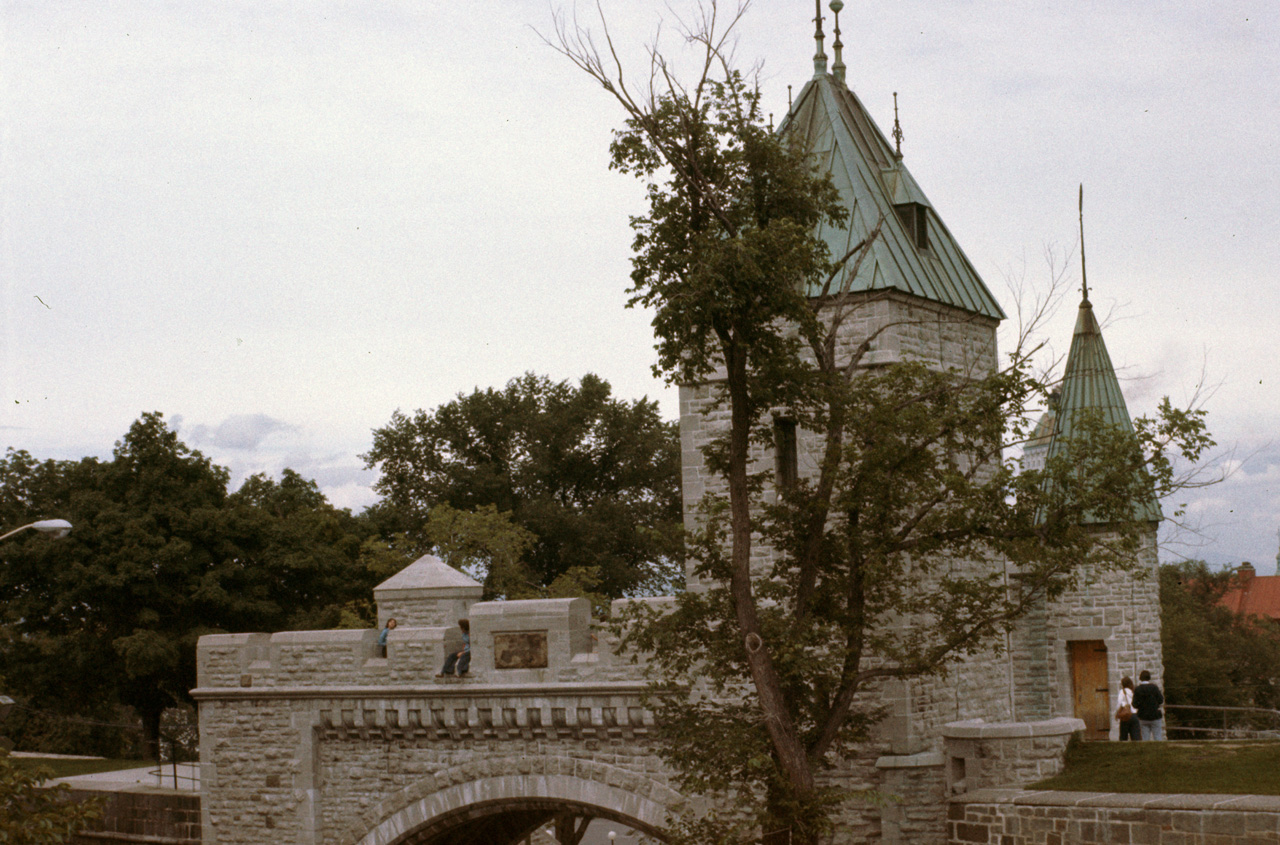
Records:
x=1091, y=695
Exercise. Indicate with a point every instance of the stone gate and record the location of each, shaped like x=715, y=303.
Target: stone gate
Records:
x=317, y=737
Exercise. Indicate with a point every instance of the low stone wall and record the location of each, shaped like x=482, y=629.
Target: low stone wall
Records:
x=154, y=816
x=572, y=650
x=981, y=755
x=1024, y=817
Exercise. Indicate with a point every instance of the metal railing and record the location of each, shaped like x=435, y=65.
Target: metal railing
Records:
x=179, y=779
x=1237, y=722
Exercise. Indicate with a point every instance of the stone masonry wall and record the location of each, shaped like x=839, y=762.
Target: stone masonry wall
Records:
x=365, y=782
x=916, y=330
x=982, y=755
x=1120, y=609
x=329, y=766
x=1018, y=817
x=159, y=817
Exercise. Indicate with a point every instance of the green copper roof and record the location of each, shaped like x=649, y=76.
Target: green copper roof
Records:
x=1089, y=382
x=872, y=180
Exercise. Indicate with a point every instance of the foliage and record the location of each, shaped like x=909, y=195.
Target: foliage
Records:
x=160, y=554
x=31, y=814
x=591, y=480
x=883, y=557
x=1213, y=657
x=486, y=545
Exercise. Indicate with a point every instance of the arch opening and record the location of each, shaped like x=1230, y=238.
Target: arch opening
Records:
x=507, y=808
x=512, y=821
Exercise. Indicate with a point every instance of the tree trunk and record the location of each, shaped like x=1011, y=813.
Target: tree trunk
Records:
x=151, y=732
x=782, y=732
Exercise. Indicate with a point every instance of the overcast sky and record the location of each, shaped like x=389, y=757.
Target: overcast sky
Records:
x=277, y=223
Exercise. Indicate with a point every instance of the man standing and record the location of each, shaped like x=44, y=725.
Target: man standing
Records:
x=1147, y=700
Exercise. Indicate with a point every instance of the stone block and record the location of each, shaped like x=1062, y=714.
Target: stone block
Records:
x=565, y=623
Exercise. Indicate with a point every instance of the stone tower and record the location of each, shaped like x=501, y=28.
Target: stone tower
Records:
x=1069, y=656
x=916, y=281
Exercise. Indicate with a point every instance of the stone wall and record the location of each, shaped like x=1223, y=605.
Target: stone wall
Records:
x=981, y=755
x=154, y=816
x=311, y=765
x=909, y=329
x=415, y=655
x=1019, y=817
x=1120, y=609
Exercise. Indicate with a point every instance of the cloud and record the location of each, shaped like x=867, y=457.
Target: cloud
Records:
x=244, y=432
x=257, y=443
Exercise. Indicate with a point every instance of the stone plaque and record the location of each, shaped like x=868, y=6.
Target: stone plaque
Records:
x=520, y=650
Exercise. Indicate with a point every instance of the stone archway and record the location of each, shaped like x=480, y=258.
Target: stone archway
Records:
x=508, y=822
x=469, y=802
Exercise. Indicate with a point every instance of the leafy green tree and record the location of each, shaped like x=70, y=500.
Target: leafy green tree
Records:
x=593, y=479
x=486, y=545
x=305, y=559
x=879, y=569
x=34, y=814
x=160, y=555
x=1213, y=657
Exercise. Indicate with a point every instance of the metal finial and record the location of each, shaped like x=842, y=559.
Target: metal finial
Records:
x=788, y=98
x=820, y=57
x=1084, y=279
x=837, y=69
x=897, y=129
x=770, y=121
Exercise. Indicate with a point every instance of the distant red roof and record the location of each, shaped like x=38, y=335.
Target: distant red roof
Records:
x=1253, y=595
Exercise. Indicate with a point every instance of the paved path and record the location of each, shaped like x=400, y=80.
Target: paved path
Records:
x=188, y=779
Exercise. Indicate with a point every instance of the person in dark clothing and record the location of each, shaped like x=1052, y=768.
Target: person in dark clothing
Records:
x=462, y=659
x=1147, y=700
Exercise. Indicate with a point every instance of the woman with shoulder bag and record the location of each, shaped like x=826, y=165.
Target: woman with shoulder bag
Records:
x=1124, y=711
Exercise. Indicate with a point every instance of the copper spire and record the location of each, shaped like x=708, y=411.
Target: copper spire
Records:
x=1084, y=279
x=820, y=57
x=897, y=130
x=837, y=69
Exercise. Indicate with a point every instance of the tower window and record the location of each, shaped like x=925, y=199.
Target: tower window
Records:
x=915, y=217
x=786, y=456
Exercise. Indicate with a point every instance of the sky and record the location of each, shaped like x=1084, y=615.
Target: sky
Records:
x=277, y=223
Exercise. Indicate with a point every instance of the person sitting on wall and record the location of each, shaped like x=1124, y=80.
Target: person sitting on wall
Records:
x=461, y=660
x=382, y=636
x=1124, y=711
x=1147, y=700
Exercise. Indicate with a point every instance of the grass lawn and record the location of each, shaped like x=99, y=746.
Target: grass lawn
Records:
x=63, y=768
x=1232, y=767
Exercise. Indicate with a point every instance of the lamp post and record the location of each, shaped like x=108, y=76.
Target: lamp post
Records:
x=55, y=528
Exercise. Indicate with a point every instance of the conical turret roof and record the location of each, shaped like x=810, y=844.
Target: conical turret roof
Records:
x=1089, y=382
x=873, y=184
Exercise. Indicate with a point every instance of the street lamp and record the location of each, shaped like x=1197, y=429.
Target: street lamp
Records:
x=55, y=528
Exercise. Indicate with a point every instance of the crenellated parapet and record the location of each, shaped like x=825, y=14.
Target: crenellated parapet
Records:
x=544, y=641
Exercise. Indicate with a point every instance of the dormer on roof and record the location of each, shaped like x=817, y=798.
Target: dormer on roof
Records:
x=915, y=253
